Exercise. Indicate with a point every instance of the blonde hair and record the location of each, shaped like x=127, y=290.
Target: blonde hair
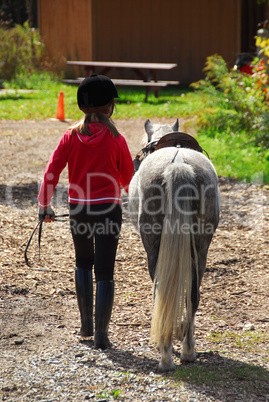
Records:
x=96, y=115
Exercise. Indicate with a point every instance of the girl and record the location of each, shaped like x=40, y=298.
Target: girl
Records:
x=99, y=161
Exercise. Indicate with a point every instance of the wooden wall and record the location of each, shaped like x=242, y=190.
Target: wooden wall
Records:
x=180, y=31
x=66, y=29
x=252, y=14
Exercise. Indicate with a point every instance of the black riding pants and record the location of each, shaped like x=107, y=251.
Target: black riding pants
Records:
x=95, y=230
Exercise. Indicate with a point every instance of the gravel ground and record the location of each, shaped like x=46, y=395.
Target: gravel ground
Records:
x=44, y=359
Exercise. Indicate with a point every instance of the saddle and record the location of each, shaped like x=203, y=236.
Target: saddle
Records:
x=178, y=139
x=174, y=139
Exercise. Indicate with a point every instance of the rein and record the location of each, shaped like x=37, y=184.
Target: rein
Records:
x=175, y=139
x=58, y=218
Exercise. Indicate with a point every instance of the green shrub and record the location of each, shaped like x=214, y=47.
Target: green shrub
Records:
x=241, y=101
x=21, y=51
x=43, y=80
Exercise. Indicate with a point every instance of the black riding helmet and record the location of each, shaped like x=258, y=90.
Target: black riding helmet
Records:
x=95, y=91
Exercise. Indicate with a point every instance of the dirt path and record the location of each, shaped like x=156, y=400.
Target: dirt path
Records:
x=43, y=358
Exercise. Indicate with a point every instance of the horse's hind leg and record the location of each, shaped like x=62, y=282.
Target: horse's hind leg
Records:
x=166, y=362
x=188, y=353
x=152, y=246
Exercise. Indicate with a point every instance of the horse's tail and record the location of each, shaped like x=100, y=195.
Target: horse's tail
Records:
x=173, y=278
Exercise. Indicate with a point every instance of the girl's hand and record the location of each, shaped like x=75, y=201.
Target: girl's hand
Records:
x=47, y=214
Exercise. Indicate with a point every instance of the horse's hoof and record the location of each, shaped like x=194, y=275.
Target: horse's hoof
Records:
x=188, y=358
x=166, y=367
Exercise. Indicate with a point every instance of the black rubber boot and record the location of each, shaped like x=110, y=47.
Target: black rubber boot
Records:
x=103, y=310
x=84, y=289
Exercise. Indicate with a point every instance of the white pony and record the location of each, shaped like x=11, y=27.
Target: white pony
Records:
x=174, y=204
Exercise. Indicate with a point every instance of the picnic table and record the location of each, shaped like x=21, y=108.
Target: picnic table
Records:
x=147, y=73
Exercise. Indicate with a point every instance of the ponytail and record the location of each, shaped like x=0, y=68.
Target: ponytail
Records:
x=96, y=115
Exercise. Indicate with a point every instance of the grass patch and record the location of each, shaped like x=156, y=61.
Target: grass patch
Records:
x=242, y=377
x=15, y=105
x=233, y=152
x=226, y=374
x=114, y=394
x=172, y=102
x=36, y=99
x=247, y=340
x=233, y=156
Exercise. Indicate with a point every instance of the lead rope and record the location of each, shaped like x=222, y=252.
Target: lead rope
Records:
x=58, y=218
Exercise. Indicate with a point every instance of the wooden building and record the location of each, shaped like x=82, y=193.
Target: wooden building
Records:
x=175, y=31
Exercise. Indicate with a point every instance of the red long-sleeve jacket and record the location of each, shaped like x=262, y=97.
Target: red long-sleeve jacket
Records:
x=97, y=166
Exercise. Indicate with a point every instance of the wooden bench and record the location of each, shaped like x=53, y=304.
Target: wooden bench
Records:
x=148, y=85
x=147, y=73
